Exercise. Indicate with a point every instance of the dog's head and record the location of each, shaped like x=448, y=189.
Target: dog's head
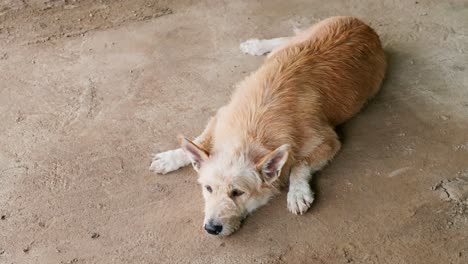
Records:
x=233, y=185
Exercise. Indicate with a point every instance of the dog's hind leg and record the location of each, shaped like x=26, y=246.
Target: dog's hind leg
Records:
x=259, y=47
x=172, y=160
x=300, y=194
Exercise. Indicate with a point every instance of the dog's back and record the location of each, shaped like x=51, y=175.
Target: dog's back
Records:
x=341, y=58
x=322, y=77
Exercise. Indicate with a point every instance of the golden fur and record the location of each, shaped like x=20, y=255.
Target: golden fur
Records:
x=286, y=111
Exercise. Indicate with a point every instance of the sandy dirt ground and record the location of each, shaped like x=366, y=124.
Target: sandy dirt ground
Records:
x=90, y=89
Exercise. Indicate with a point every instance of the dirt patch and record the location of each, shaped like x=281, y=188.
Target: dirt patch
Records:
x=455, y=190
x=50, y=20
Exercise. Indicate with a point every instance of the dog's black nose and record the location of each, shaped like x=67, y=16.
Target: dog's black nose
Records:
x=213, y=229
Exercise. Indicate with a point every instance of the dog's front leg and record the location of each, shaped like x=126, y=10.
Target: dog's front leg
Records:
x=172, y=160
x=300, y=194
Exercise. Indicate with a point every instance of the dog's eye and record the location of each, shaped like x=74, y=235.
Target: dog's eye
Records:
x=235, y=193
x=208, y=188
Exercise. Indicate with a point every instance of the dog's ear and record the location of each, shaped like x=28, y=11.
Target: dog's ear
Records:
x=196, y=154
x=270, y=166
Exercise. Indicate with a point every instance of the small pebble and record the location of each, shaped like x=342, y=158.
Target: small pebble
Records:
x=222, y=244
x=3, y=217
x=95, y=235
x=443, y=117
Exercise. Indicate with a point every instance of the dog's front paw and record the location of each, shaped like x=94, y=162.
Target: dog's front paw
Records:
x=253, y=47
x=168, y=161
x=300, y=197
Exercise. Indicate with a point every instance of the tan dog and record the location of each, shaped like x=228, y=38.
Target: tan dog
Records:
x=279, y=125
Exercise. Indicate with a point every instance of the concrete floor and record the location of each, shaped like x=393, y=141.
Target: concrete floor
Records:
x=90, y=89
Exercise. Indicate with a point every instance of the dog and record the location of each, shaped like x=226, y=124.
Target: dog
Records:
x=279, y=127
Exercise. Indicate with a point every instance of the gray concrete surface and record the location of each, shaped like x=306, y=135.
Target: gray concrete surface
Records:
x=90, y=89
